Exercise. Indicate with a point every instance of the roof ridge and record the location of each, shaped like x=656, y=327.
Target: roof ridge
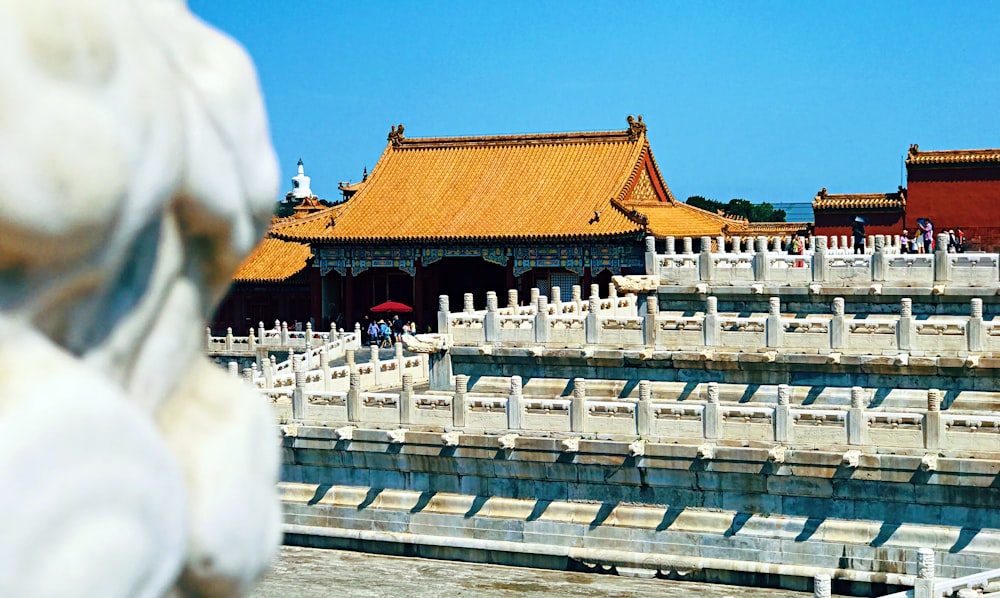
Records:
x=515, y=139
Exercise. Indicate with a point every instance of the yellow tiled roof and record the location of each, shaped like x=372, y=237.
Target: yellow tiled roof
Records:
x=775, y=228
x=675, y=219
x=859, y=201
x=972, y=156
x=273, y=260
x=557, y=185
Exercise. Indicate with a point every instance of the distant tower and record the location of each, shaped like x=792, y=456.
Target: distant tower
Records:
x=300, y=184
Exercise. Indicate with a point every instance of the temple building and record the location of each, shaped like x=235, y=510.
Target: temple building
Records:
x=450, y=215
x=834, y=213
x=956, y=189
x=952, y=188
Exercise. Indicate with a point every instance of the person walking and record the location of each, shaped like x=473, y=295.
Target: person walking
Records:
x=928, y=229
x=858, y=232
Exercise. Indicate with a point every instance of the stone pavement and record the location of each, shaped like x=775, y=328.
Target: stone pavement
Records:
x=313, y=572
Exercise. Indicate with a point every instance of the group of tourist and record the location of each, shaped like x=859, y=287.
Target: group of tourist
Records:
x=385, y=334
x=922, y=240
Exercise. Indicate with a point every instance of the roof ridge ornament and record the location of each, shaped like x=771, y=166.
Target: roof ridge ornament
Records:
x=635, y=127
x=396, y=135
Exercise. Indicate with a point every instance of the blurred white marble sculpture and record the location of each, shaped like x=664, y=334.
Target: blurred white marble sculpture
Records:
x=135, y=172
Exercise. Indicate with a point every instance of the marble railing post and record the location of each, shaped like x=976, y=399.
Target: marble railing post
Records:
x=651, y=263
x=819, y=260
x=514, y=404
x=649, y=327
x=406, y=406
x=309, y=335
x=783, y=415
x=443, y=314
x=705, y=264
x=512, y=300
x=710, y=324
x=439, y=370
x=576, y=292
x=578, y=405
x=942, y=265
x=533, y=298
x=712, y=414
x=374, y=359
x=400, y=360
x=975, y=331
x=833, y=243
x=354, y=398
x=670, y=244
x=878, y=259
x=469, y=303
x=491, y=321
x=298, y=395
x=720, y=244
x=251, y=340
x=737, y=243
x=923, y=586
x=458, y=401
x=542, y=320
x=592, y=323
x=773, y=332
x=233, y=368
x=283, y=336
x=761, y=265
x=688, y=245
x=349, y=358
x=838, y=325
x=357, y=334
x=595, y=291
x=821, y=586
x=613, y=295
x=844, y=245
x=906, y=328
x=644, y=410
x=857, y=430
x=229, y=340
x=555, y=299
x=268, y=370
x=869, y=244
x=324, y=359
x=933, y=428
x=260, y=332
x=208, y=338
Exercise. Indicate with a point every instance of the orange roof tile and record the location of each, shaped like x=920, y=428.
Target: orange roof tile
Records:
x=942, y=157
x=775, y=228
x=557, y=185
x=675, y=219
x=859, y=201
x=273, y=260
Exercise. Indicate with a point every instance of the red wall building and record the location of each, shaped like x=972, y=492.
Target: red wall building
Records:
x=956, y=189
x=834, y=213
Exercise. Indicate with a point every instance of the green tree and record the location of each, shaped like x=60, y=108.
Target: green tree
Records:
x=753, y=212
x=709, y=205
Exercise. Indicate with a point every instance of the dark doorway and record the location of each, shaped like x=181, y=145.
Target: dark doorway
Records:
x=455, y=277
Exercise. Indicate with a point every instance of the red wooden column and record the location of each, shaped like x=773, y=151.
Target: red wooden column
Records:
x=418, y=290
x=316, y=298
x=349, y=319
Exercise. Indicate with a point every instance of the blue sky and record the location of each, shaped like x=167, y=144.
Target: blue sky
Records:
x=769, y=101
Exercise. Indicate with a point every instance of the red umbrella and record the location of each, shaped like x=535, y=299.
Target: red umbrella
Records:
x=392, y=306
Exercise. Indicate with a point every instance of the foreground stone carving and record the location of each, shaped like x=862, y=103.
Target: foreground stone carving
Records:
x=427, y=343
x=130, y=465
